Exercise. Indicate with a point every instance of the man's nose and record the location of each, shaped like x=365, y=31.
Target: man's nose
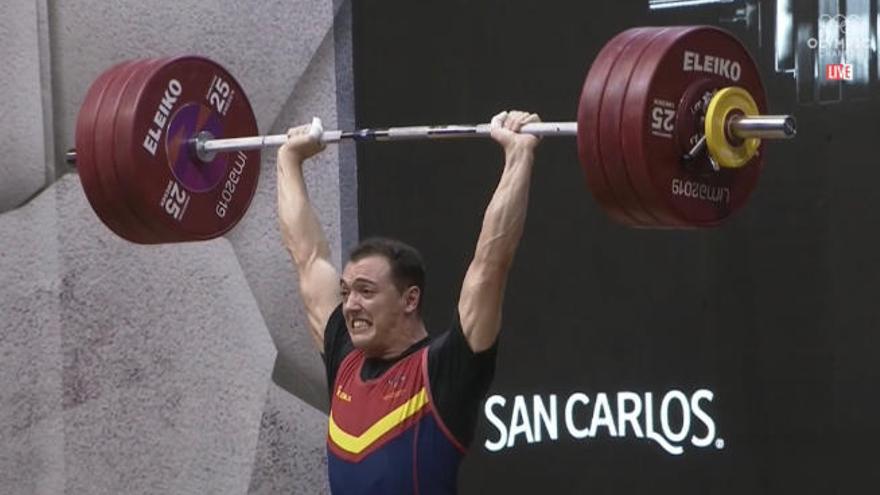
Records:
x=352, y=302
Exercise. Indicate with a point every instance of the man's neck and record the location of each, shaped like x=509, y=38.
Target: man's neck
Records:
x=410, y=333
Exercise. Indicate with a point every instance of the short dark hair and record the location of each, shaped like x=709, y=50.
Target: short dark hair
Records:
x=407, y=267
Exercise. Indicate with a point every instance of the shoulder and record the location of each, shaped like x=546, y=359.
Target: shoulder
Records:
x=451, y=361
x=337, y=344
x=453, y=340
x=459, y=379
x=335, y=332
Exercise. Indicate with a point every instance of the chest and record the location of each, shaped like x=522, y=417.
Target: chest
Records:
x=360, y=403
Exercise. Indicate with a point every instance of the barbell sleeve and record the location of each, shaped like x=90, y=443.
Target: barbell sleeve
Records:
x=763, y=126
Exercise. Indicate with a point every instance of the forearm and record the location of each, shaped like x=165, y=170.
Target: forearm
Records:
x=301, y=230
x=506, y=214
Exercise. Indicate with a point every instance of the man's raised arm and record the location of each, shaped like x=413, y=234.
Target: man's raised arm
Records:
x=482, y=291
x=302, y=233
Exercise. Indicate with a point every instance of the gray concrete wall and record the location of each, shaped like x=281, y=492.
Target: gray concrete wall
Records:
x=180, y=368
x=25, y=165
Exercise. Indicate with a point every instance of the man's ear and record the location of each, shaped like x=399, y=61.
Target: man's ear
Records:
x=412, y=296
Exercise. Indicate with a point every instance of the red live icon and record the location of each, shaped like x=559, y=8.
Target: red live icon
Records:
x=839, y=72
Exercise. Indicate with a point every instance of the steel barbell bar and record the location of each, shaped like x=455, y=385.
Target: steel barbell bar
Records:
x=205, y=146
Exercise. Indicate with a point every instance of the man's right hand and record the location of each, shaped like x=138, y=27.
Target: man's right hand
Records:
x=301, y=145
x=505, y=128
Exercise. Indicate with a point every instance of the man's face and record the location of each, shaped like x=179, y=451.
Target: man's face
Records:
x=371, y=303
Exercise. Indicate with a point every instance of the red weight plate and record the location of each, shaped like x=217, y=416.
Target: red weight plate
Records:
x=169, y=189
x=134, y=82
x=677, y=60
x=116, y=124
x=588, y=125
x=611, y=125
x=128, y=226
x=86, y=166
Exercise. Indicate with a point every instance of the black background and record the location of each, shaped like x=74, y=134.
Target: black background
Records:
x=774, y=311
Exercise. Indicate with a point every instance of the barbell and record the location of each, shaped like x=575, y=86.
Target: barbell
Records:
x=670, y=126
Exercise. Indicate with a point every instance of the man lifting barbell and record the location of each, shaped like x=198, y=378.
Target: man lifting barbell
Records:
x=403, y=406
x=669, y=131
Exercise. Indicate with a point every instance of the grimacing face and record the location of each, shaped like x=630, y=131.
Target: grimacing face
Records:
x=372, y=305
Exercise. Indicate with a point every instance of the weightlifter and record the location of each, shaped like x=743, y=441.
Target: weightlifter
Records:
x=404, y=405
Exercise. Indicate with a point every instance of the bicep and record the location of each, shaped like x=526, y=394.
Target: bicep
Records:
x=319, y=289
x=479, y=305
